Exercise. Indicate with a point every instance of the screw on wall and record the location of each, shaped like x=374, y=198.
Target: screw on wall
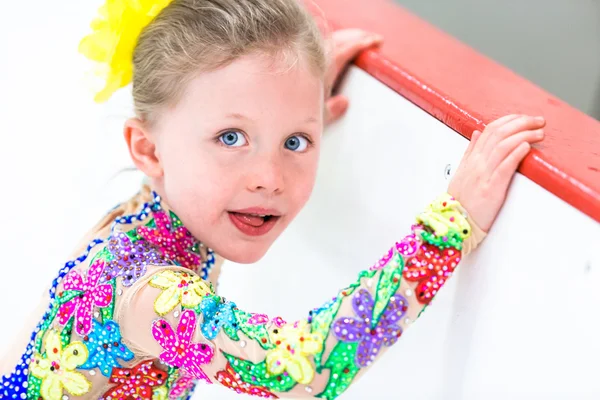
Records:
x=588, y=267
x=448, y=171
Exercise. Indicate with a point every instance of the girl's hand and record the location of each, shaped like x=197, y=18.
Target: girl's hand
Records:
x=344, y=45
x=487, y=167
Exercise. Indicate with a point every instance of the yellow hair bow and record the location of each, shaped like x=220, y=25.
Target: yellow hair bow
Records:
x=115, y=33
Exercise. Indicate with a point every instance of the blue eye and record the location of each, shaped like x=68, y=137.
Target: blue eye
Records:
x=296, y=143
x=232, y=139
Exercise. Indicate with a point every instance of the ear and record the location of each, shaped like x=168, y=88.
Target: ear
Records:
x=142, y=148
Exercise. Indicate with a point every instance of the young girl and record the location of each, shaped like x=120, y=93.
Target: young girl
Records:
x=229, y=97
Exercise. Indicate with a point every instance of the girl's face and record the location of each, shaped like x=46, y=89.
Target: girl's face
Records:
x=237, y=157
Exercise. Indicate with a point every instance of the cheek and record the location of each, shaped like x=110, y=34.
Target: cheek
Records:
x=303, y=182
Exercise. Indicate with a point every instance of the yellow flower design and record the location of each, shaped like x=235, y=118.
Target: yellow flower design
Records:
x=115, y=34
x=178, y=287
x=294, y=343
x=56, y=370
x=445, y=215
x=159, y=393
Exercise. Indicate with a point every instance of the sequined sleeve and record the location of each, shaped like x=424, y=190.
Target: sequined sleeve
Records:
x=176, y=316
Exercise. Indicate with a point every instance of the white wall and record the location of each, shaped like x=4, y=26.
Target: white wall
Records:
x=521, y=313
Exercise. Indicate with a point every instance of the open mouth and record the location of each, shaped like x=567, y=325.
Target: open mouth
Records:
x=253, y=224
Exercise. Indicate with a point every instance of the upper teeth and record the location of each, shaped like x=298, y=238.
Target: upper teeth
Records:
x=258, y=215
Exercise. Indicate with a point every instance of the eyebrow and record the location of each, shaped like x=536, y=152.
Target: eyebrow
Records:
x=243, y=117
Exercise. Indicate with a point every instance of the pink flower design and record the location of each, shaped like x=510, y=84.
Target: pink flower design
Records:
x=407, y=247
x=174, y=244
x=179, y=351
x=263, y=319
x=182, y=385
x=93, y=295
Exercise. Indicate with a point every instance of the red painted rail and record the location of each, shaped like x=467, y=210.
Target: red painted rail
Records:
x=466, y=90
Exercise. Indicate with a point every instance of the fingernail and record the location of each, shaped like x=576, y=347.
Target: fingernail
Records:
x=540, y=119
x=539, y=135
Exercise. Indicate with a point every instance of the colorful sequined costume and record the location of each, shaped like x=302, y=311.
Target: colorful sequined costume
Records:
x=135, y=316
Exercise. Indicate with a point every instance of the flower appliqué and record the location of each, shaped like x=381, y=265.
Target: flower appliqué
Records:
x=371, y=335
x=178, y=287
x=294, y=343
x=179, y=351
x=92, y=295
x=174, y=243
x=57, y=368
x=137, y=382
x=105, y=347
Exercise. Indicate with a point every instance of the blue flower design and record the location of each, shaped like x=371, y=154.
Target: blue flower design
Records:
x=218, y=314
x=104, y=346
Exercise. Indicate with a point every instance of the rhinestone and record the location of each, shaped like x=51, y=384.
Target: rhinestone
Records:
x=407, y=321
x=92, y=372
x=370, y=283
x=176, y=314
x=96, y=314
x=242, y=343
x=408, y=292
x=308, y=389
x=65, y=397
x=120, y=292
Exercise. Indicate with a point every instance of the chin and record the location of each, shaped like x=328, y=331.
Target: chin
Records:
x=243, y=253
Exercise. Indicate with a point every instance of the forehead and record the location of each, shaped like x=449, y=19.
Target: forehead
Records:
x=258, y=85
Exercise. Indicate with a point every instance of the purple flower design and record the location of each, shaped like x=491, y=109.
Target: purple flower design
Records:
x=371, y=335
x=131, y=259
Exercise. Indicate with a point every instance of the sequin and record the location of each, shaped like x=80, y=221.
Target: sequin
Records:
x=370, y=335
x=136, y=382
x=257, y=330
x=130, y=259
x=408, y=246
x=160, y=393
x=175, y=244
x=293, y=344
x=178, y=349
x=257, y=375
x=105, y=347
x=183, y=385
x=444, y=215
x=343, y=370
x=218, y=314
x=232, y=380
x=430, y=268
x=263, y=319
x=92, y=295
x=178, y=287
x=56, y=369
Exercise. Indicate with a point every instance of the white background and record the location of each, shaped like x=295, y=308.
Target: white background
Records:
x=519, y=321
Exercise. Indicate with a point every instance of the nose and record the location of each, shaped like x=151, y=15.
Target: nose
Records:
x=266, y=175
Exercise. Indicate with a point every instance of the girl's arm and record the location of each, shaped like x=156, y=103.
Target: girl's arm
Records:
x=176, y=316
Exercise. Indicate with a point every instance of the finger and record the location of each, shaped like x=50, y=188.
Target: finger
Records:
x=348, y=43
x=515, y=126
x=335, y=108
x=502, y=120
x=507, y=168
x=508, y=145
x=493, y=126
x=474, y=138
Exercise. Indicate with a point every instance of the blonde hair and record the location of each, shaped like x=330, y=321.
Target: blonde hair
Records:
x=193, y=36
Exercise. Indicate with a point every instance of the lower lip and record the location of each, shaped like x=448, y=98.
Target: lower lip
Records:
x=253, y=230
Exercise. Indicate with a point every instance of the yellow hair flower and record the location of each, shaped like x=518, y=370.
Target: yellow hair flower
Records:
x=115, y=34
